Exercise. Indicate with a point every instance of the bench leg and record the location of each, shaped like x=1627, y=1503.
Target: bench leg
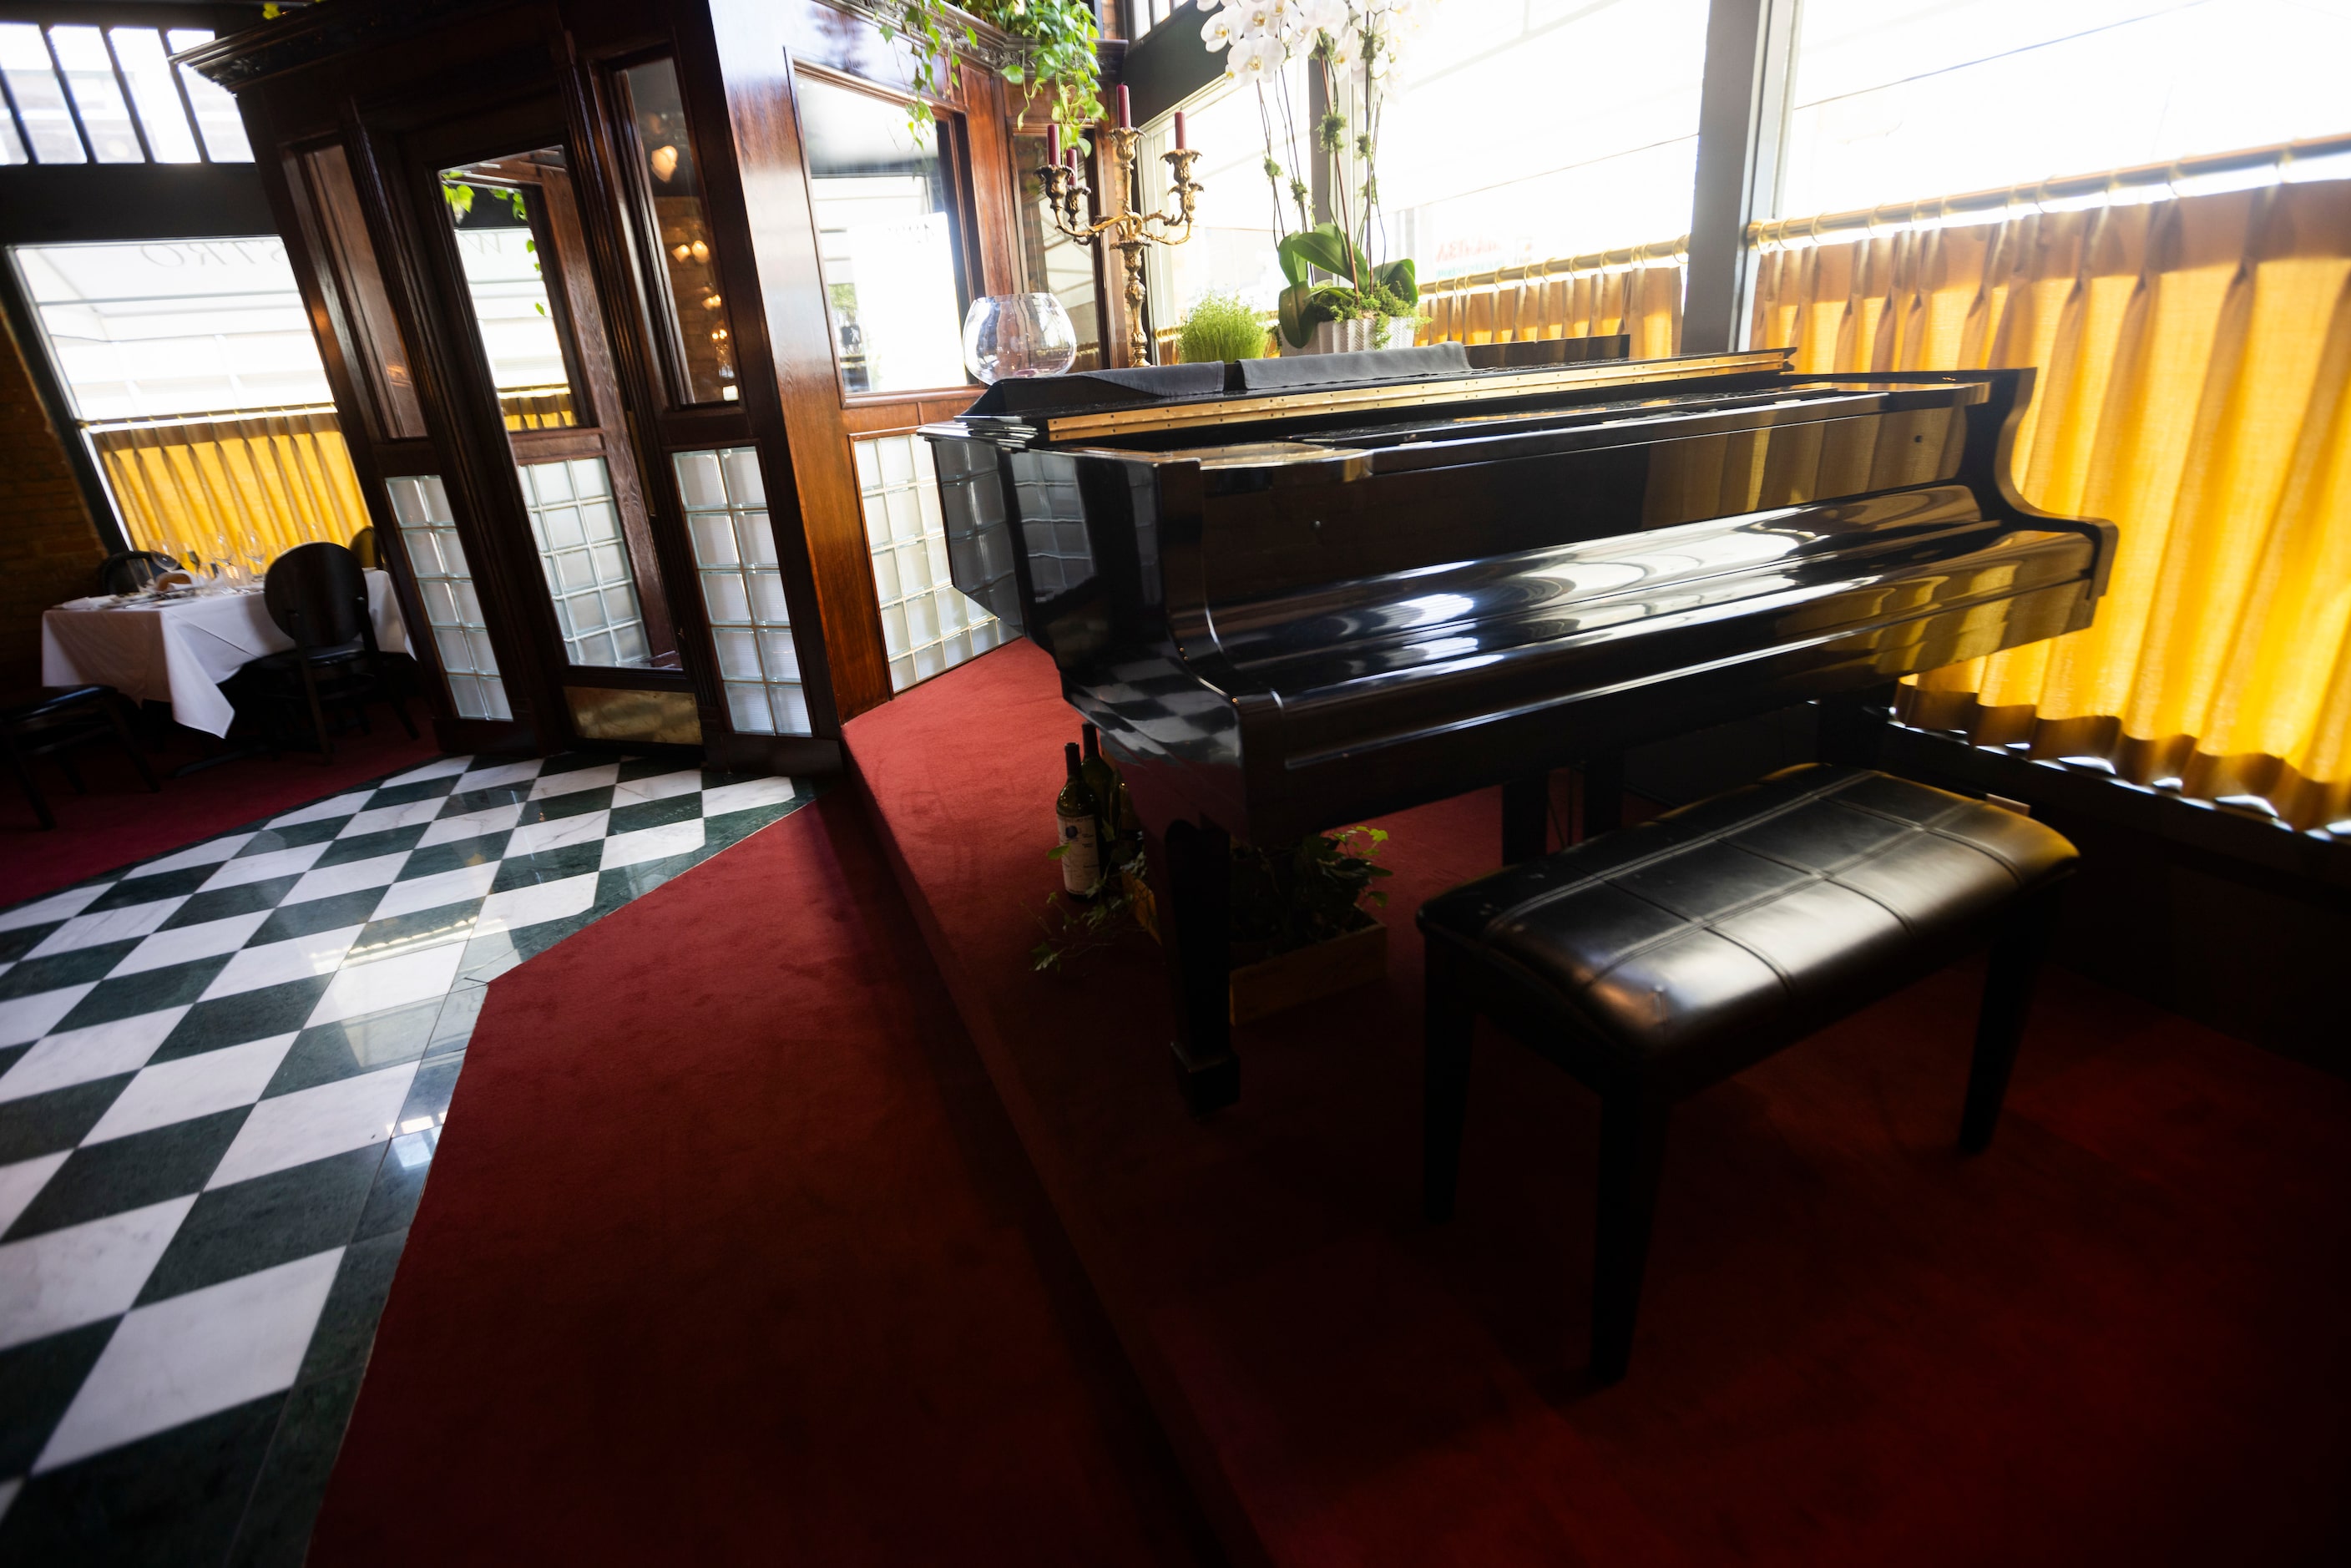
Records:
x=1632, y=1161
x=1444, y=1091
x=1526, y=819
x=1602, y=795
x=2008, y=995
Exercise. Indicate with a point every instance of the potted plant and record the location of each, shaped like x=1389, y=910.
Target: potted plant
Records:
x=1301, y=927
x=1221, y=327
x=1343, y=293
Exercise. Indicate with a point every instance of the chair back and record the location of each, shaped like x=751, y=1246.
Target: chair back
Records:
x=364, y=546
x=133, y=571
x=317, y=595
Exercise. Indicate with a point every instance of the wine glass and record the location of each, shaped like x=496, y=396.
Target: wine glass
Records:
x=257, y=559
x=1010, y=335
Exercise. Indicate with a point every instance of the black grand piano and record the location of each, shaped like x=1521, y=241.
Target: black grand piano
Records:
x=1298, y=592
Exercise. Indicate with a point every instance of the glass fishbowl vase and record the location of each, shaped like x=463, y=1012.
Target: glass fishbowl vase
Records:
x=1013, y=335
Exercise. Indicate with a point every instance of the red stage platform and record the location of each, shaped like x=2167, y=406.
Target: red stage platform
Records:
x=2116, y=1337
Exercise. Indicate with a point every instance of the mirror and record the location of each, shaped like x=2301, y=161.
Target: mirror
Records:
x=886, y=241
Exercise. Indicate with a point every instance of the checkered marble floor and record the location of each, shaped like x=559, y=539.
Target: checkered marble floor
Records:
x=222, y=1074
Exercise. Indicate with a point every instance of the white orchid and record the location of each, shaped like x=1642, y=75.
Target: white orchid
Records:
x=1217, y=30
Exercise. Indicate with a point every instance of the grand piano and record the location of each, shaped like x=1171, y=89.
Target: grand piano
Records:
x=1298, y=592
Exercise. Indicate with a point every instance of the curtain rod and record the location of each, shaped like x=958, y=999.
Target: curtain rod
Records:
x=2056, y=195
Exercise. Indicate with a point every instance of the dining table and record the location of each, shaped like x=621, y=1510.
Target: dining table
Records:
x=178, y=648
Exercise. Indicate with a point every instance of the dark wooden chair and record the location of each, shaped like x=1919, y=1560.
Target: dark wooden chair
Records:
x=132, y=571
x=1655, y=961
x=52, y=721
x=316, y=593
x=364, y=546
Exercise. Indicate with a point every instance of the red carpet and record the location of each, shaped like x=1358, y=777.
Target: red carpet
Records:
x=119, y=821
x=729, y=1257
x=2116, y=1337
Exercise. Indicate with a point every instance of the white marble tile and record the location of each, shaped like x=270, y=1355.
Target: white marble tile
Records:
x=383, y=819
x=184, y=943
x=537, y=904
x=30, y=1017
x=652, y=844
x=390, y=982
x=192, y=1086
x=349, y=877
x=462, y=885
x=22, y=1182
x=190, y=1355
x=504, y=774
x=288, y=1130
x=578, y=778
x=81, y=1055
x=262, y=867
x=471, y=825
x=63, y=1279
x=57, y=907
x=440, y=768
x=533, y=838
x=276, y=963
x=743, y=797
x=211, y=852
x=108, y=925
x=637, y=791
x=325, y=810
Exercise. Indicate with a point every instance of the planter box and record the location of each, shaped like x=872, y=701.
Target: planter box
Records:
x=1309, y=974
x=1355, y=337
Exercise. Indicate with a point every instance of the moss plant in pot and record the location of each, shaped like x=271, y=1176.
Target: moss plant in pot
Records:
x=1301, y=921
x=1221, y=327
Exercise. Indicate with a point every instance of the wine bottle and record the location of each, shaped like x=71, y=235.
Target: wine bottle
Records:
x=1102, y=780
x=1080, y=843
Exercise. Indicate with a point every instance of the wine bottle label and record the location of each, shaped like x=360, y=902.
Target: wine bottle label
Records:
x=1081, y=853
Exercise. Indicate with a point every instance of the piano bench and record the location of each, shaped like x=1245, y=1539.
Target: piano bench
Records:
x=1656, y=961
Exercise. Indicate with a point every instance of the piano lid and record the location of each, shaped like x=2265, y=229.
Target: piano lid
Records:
x=1466, y=386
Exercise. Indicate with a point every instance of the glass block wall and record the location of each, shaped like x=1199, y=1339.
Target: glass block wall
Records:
x=927, y=625
x=743, y=590
x=429, y=529
x=577, y=530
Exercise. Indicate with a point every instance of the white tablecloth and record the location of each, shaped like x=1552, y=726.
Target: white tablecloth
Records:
x=181, y=651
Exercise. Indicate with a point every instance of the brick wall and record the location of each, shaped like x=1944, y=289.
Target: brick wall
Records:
x=48, y=549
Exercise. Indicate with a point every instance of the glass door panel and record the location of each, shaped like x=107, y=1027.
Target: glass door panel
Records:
x=577, y=528
x=524, y=270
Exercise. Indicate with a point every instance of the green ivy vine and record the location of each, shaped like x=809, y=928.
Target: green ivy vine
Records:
x=1056, y=53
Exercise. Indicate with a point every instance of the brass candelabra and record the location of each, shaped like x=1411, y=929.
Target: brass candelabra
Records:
x=1122, y=226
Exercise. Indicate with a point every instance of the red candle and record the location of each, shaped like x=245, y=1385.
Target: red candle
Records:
x=1069, y=157
x=1052, y=144
x=1125, y=111
x=1179, y=130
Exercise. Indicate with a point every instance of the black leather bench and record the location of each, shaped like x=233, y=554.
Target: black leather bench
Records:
x=1656, y=961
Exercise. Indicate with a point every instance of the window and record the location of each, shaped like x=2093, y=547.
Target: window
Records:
x=78, y=94
x=192, y=375
x=886, y=241
x=1899, y=99
x=1522, y=131
x=493, y=208
x=669, y=185
x=446, y=584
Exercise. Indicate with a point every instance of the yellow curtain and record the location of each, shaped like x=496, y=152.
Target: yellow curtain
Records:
x=1638, y=291
x=192, y=487
x=2193, y=356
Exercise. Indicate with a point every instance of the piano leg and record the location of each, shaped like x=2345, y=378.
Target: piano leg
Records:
x=1853, y=724
x=1194, y=865
x=1526, y=819
x=1602, y=795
